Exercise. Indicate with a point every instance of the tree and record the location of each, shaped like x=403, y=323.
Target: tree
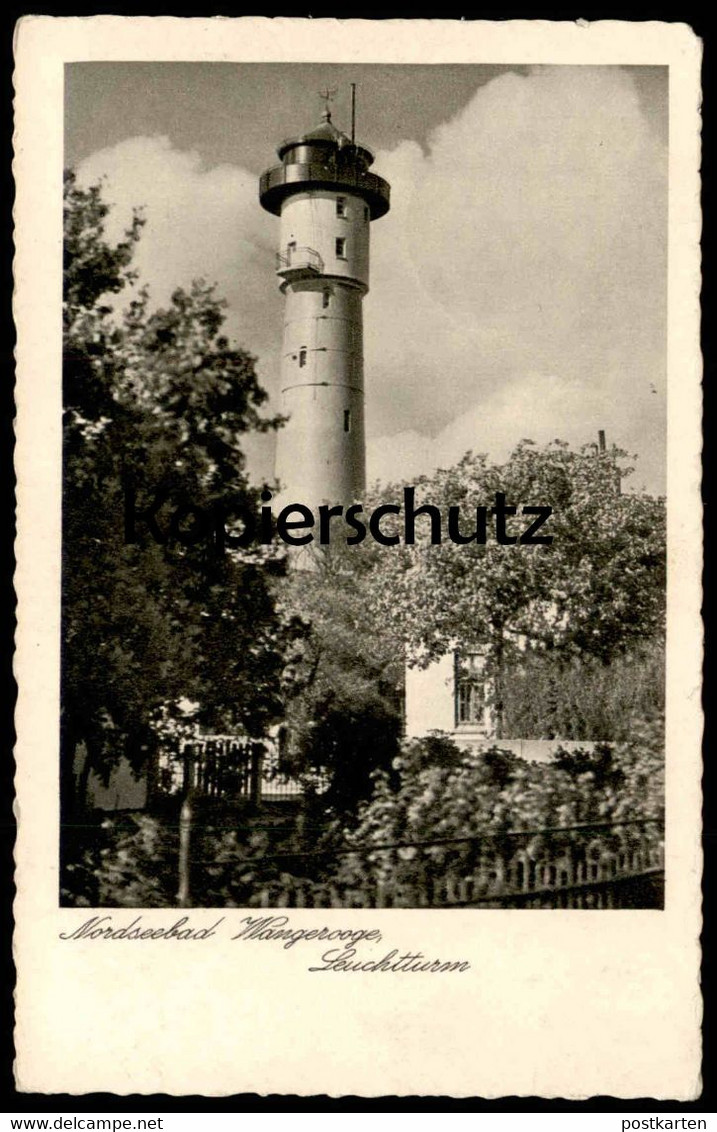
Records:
x=596, y=590
x=154, y=401
x=343, y=702
x=550, y=619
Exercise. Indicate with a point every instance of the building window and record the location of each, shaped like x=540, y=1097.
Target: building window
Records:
x=470, y=702
x=341, y=206
x=302, y=356
x=341, y=247
x=470, y=689
x=347, y=420
x=366, y=213
x=326, y=298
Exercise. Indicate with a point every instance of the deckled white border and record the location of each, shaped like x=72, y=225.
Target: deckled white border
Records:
x=563, y=1004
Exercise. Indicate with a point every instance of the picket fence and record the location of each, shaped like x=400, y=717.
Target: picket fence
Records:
x=590, y=866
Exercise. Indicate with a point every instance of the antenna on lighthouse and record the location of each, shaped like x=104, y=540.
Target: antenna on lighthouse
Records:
x=353, y=113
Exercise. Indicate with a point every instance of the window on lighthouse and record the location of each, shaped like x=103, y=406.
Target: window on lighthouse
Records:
x=347, y=420
x=341, y=247
x=302, y=356
x=341, y=206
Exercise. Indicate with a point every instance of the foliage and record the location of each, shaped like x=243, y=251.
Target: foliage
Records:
x=343, y=711
x=463, y=794
x=435, y=792
x=155, y=400
x=548, y=696
x=596, y=590
x=571, y=631
x=470, y=792
x=125, y=860
x=131, y=859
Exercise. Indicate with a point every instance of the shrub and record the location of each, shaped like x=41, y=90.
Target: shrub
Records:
x=466, y=794
x=584, y=699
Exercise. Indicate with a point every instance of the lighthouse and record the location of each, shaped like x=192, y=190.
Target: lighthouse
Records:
x=326, y=197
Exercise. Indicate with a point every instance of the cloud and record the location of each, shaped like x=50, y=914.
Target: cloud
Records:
x=519, y=282
x=543, y=408
x=200, y=223
x=517, y=285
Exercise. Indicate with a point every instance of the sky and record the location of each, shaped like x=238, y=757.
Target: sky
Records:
x=518, y=284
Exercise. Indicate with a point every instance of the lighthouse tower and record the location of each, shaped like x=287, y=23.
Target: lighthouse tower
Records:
x=326, y=198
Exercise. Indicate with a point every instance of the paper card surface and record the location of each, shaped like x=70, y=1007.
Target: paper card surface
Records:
x=234, y=874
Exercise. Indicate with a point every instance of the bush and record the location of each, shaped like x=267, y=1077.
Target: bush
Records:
x=131, y=860
x=124, y=860
x=439, y=792
x=584, y=698
x=434, y=792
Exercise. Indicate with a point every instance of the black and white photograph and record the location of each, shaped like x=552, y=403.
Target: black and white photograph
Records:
x=364, y=489
x=312, y=292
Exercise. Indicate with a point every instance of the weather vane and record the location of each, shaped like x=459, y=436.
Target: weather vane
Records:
x=327, y=96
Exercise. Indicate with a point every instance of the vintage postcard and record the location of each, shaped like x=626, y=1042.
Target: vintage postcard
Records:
x=359, y=650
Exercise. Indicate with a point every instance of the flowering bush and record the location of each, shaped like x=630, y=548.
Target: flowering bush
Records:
x=440, y=792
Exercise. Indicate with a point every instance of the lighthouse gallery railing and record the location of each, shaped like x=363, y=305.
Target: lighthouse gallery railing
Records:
x=299, y=257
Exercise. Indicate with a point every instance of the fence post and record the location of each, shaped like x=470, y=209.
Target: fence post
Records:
x=187, y=768
x=185, y=833
x=257, y=758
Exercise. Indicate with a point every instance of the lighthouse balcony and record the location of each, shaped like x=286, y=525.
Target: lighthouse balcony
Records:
x=296, y=263
x=283, y=181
